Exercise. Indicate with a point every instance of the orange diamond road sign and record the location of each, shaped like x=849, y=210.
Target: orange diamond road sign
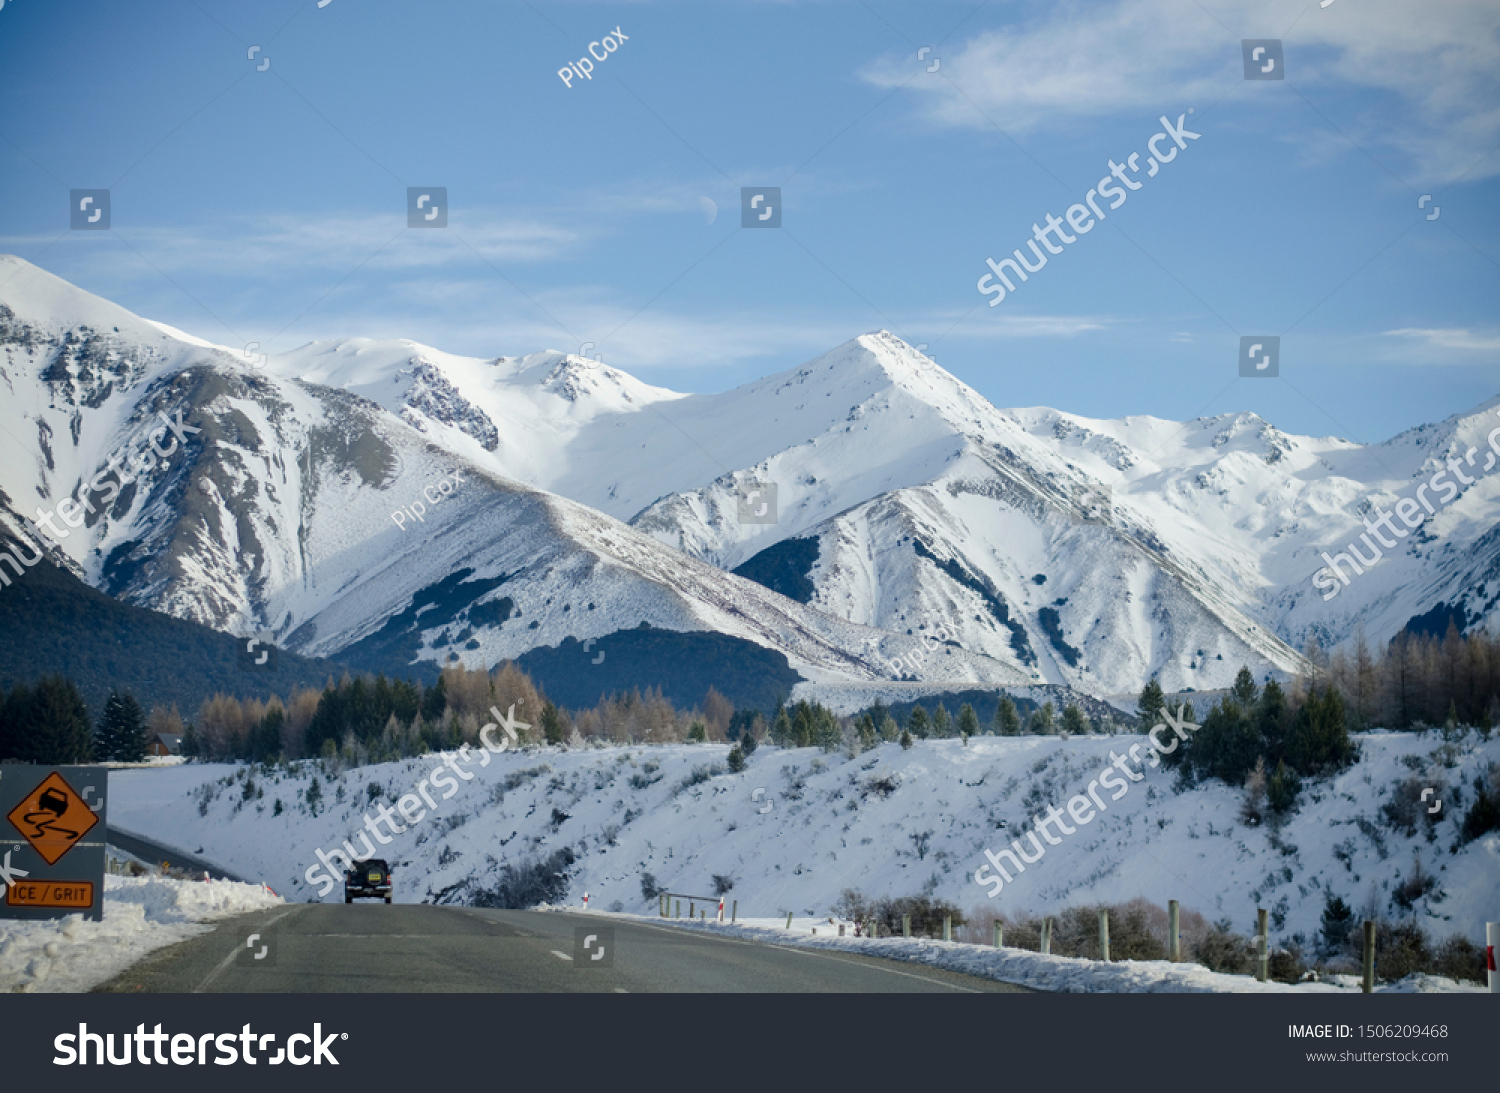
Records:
x=52, y=818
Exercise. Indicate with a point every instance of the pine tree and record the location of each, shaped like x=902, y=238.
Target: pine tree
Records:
x=747, y=743
x=698, y=732
x=1007, y=719
x=1042, y=723
x=106, y=735
x=905, y=739
x=1073, y=721
x=1338, y=920
x=1152, y=706
x=942, y=722
x=889, y=730
x=968, y=721
x=1243, y=688
x=56, y=724
x=192, y=747
x=265, y=742
x=917, y=723
x=781, y=729
x=552, y=723
x=1281, y=791
x=736, y=760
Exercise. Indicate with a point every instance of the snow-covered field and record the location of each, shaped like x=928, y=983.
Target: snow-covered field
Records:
x=1048, y=973
x=798, y=827
x=141, y=914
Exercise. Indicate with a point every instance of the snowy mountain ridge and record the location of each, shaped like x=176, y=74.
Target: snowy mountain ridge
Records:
x=1047, y=547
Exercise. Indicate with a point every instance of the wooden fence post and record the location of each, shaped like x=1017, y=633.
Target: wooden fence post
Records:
x=734, y=912
x=1046, y=947
x=999, y=932
x=1262, y=944
x=947, y=927
x=788, y=920
x=1174, y=933
x=1368, y=983
x=1104, y=933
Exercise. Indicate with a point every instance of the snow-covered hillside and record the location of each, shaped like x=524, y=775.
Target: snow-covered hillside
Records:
x=439, y=506
x=798, y=827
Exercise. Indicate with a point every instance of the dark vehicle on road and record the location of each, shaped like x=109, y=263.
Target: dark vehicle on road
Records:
x=368, y=880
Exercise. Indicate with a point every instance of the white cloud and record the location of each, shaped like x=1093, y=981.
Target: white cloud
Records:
x=1436, y=68
x=1448, y=338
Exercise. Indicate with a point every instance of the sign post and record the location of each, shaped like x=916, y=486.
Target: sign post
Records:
x=52, y=841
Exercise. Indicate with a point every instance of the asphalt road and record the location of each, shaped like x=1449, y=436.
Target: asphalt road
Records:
x=372, y=947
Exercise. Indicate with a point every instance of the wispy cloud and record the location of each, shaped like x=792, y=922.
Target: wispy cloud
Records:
x=1437, y=68
x=1448, y=338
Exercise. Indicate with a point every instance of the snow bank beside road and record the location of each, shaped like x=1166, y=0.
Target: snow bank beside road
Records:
x=141, y=914
x=1047, y=973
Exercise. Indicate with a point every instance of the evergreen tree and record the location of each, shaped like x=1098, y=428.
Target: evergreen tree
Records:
x=698, y=732
x=108, y=731
x=781, y=729
x=1152, y=705
x=1281, y=792
x=942, y=722
x=552, y=723
x=1338, y=920
x=889, y=730
x=968, y=721
x=1007, y=719
x=192, y=747
x=747, y=742
x=917, y=723
x=435, y=701
x=13, y=724
x=1318, y=740
x=1073, y=721
x=1243, y=688
x=1042, y=721
x=804, y=730
x=1270, y=721
x=265, y=740
x=56, y=725
x=866, y=729
x=736, y=760
x=905, y=739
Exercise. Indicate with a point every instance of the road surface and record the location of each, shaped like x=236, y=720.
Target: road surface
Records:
x=398, y=948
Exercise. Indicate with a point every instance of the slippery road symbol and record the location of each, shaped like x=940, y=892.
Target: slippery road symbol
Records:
x=52, y=818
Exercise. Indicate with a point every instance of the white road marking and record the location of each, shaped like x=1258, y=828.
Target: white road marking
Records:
x=807, y=952
x=562, y=956
x=199, y=989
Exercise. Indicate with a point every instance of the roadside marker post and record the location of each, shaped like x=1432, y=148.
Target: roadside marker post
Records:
x=1491, y=943
x=52, y=864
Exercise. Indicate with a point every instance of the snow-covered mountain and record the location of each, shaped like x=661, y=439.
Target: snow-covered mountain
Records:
x=385, y=491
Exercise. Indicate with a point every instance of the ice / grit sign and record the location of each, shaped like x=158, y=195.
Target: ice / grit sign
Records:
x=52, y=841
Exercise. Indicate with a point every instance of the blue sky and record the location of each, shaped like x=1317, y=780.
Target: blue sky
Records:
x=270, y=205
